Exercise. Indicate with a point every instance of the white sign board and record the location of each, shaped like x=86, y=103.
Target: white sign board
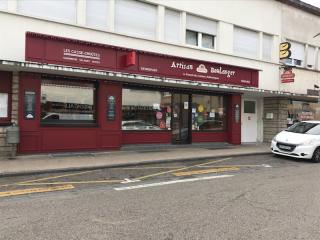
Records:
x=3, y=105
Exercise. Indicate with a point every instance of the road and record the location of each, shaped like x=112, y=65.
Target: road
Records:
x=253, y=197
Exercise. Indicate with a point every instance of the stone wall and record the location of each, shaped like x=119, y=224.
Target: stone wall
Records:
x=279, y=108
x=5, y=149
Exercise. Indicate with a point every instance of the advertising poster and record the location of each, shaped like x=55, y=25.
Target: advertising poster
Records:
x=3, y=105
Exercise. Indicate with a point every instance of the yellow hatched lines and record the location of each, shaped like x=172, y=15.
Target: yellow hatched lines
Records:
x=213, y=170
x=181, y=169
x=35, y=190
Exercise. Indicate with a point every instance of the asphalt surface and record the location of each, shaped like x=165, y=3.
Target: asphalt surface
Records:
x=253, y=197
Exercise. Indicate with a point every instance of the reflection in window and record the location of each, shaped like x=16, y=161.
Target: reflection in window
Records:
x=208, y=113
x=302, y=111
x=192, y=38
x=67, y=102
x=146, y=110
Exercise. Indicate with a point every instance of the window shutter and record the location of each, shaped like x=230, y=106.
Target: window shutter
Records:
x=3, y=4
x=49, y=9
x=201, y=25
x=245, y=42
x=172, y=26
x=136, y=18
x=311, y=56
x=96, y=13
x=297, y=51
x=267, y=47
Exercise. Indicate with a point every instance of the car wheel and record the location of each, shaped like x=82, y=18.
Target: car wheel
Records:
x=316, y=155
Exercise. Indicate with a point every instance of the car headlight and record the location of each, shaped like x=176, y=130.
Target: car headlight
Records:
x=309, y=142
x=274, y=139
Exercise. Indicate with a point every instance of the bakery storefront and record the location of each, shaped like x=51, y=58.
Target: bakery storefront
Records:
x=98, y=97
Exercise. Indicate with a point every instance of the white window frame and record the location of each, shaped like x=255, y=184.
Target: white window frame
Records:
x=212, y=33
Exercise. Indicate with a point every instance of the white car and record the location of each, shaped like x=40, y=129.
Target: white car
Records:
x=301, y=140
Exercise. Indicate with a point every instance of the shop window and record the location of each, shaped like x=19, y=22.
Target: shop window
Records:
x=97, y=13
x=201, y=32
x=146, y=110
x=67, y=102
x=5, y=98
x=302, y=111
x=245, y=42
x=136, y=18
x=208, y=113
x=172, y=26
x=64, y=11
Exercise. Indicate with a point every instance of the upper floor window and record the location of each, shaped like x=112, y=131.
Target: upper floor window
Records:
x=63, y=10
x=267, y=43
x=311, y=57
x=201, y=32
x=96, y=13
x=245, y=42
x=136, y=18
x=3, y=4
x=172, y=26
x=297, y=54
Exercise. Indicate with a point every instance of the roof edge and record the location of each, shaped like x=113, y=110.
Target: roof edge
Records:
x=302, y=6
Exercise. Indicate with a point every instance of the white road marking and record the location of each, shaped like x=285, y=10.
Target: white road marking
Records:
x=266, y=165
x=128, y=180
x=171, y=182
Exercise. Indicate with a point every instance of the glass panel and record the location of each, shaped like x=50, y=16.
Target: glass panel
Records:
x=208, y=113
x=180, y=120
x=203, y=25
x=302, y=111
x=192, y=38
x=136, y=18
x=63, y=10
x=207, y=41
x=245, y=42
x=146, y=110
x=4, y=105
x=97, y=12
x=172, y=26
x=67, y=102
x=249, y=107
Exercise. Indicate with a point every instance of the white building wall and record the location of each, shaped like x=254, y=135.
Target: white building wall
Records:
x=301, y=26
x=243, y=13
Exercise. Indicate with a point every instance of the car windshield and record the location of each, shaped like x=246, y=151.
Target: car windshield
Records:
x=305, y=127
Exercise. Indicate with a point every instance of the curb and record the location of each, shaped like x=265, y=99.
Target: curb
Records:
x=148, y=162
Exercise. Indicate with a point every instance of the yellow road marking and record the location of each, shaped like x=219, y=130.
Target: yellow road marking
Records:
x=60, y=176
x=181, y=169
x=59, y=183
x=48, y=178
x=35, y=190
x=220, y=166
x=213, y=170
x=141, y=168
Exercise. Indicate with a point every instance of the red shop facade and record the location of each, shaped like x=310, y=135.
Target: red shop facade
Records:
x=59, y=113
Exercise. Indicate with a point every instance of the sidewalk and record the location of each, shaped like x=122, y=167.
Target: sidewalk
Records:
x=133, y=155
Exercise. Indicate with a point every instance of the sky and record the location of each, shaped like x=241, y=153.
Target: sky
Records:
x=313, y=2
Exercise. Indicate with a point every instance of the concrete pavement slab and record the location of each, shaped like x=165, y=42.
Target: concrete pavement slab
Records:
x=30, y=164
